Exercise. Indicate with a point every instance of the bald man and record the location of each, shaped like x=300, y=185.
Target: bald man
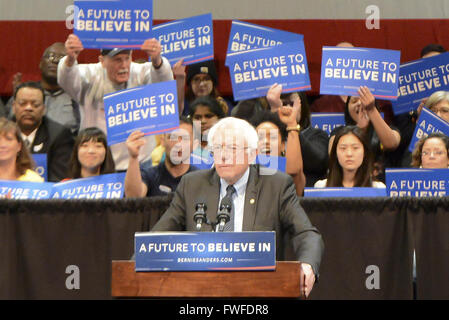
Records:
x=59, y=106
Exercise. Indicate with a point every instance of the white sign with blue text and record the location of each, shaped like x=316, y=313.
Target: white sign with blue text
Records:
x=254, y=72
x=417, y=182
x=113, y=23
x=205, y=251
x=419, y=79
x=344, y=70
x=191, y=39
x=106, y=186
x=427, y=123
x=152, y=109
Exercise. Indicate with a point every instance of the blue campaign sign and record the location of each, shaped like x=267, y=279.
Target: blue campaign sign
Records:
x=113, y=23
x=107, y=186
x=417, y=182
x=419, y=79
x=247, y=36
x=428, y=122
x=344, y=70
x=201, y=162
x=152, y=109
x=327, y=121
x=205, y=251
x=344, y=192
x=272, y=162
x=253, y=72
x=190, y=38
x=25, y=190
x=41, y=164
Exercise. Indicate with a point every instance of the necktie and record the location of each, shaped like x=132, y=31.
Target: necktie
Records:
x=230, y=190
x=27, y=143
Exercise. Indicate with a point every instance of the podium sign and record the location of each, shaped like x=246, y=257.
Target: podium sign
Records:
x=205, y=251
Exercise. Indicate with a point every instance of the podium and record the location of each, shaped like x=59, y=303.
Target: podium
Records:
x=281, y=283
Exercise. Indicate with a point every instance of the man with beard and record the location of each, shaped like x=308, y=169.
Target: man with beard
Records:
x=39, y=133
x=59, y=106
x=147, y=180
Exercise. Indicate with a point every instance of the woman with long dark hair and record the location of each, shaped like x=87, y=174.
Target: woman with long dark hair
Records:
x=91, y=155
x=363, y=112
x=350, y=161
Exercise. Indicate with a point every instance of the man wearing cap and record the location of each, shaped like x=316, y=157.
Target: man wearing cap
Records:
x=88, y=83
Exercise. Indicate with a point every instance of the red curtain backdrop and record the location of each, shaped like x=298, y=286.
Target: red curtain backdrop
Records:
x=24, y=41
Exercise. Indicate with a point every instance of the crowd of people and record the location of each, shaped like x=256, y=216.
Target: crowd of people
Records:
x=62, y=116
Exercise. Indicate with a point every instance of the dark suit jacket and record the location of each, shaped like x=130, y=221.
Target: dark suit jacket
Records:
x=57, y=142
x=276, y=208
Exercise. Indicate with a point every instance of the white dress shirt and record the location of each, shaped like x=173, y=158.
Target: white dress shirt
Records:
x=29, y=137
x=238, y=199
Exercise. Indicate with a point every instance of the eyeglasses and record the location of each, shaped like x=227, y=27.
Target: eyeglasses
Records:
x=198, y=80
x=228, y=149
x=442, y=110
x=438, y=153
x=53, y=57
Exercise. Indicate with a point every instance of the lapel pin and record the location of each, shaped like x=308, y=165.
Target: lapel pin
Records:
x=38, y=147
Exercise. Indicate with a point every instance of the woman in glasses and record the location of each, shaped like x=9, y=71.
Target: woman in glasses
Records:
x=431, y=152
x=204, y=113
x=438, y=103
x=202, y=81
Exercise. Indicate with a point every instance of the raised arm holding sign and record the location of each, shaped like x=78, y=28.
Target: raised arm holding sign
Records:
x=147, y=180
x=361, y=111
x=389, y=138
x=286, y=136
x=113, y=23
x=89, y=83
x=344, y=70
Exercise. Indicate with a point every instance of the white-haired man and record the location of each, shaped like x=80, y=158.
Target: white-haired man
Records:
x=88, y=83
x=262, y=200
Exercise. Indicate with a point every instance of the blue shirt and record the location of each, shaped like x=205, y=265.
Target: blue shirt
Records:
x=158, y=180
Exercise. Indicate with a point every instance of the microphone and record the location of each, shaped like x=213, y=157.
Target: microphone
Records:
x=200, y=215
x=223, y=215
